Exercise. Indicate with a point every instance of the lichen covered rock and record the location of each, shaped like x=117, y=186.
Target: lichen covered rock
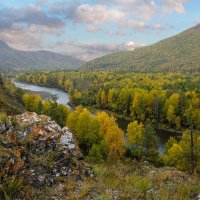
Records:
x=38, y=149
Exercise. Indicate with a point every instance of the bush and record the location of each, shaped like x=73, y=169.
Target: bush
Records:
x=3, y=117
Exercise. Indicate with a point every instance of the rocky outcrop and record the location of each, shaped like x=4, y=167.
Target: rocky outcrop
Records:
x=40, y=151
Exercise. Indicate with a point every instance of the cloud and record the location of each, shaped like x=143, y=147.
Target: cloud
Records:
x=118, y=32
x=88, y=50
x=25, y=27
x=22, y=38
x=174, y=6
x=126, y=14
x=28, y=16
x=92, y=28
x=96, y=14
x=111, y=12
x=143, y=9
x=28, y=26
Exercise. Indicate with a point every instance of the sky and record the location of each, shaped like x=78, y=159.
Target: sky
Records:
x=87, y=29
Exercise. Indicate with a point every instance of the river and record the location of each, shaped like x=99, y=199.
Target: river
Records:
x=63, y=98
x=45, y=92
x=162, y=134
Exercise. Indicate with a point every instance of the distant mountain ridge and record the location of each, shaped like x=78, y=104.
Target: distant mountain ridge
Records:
x=180, y=53
x=12, y=59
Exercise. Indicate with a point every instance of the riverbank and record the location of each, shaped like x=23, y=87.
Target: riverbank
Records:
x=122, y=121
x=158, y=126
x=93, y=109
x=163, y=132
x=46, y=92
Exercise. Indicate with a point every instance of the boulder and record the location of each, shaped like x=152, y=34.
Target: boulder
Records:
x=40, y=150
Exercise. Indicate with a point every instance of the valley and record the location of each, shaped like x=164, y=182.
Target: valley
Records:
x=99, y=100
x=63, y=98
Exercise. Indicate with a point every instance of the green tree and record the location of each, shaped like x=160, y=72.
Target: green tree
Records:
x=104, y=100
x=178, y=154
x=150, y=143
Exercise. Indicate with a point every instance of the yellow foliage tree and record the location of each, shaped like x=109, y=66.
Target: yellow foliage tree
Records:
x=135, y=133
x=32, y=101
x=115, y=142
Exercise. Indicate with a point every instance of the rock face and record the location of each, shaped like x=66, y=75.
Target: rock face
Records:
x=38, y=149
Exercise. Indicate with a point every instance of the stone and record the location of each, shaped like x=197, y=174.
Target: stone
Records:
x=41, y=151
x=89, y=172
x=2, y=127
x=10, y=137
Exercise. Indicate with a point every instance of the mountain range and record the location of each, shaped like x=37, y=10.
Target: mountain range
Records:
x=16, y=60
x=180, y=53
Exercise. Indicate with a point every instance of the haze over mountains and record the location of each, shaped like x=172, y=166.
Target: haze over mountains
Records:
x=180, y=53
x=12, y=59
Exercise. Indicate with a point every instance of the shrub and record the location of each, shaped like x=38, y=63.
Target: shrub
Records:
x=3, y=117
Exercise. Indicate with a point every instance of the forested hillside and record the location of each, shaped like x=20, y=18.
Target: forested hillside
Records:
x=23, y=61
x=176, y=54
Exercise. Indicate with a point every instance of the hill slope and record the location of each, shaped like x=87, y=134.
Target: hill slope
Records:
x=176, y=54
x=12, y=59
x=8, y=102
x=41, y=160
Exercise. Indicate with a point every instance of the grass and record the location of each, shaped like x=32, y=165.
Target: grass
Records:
x=127, y=181
x=14, y=187
x=8, y=103
x=47, y=160
x=124, y=181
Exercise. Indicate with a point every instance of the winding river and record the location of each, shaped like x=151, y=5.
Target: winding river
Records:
x=45, y=92
x=63, y=98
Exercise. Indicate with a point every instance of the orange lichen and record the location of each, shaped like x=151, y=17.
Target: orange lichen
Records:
x=19, y=165
x=11, y=138
x=17, y=153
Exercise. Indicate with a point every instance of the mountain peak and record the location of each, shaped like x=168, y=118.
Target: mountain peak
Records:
x=3, y=44
x=17, y=60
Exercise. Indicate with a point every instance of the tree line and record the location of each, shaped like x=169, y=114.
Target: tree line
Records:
x=172, y=99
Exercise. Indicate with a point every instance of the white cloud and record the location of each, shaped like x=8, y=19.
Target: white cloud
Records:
x=91, y=50
x=96, y=14
x=174, y=6
x=134, y=14
x=22, y=39
x=27, y=27
x=130, y=46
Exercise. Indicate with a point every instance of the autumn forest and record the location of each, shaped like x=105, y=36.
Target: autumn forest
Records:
x=148, y=100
